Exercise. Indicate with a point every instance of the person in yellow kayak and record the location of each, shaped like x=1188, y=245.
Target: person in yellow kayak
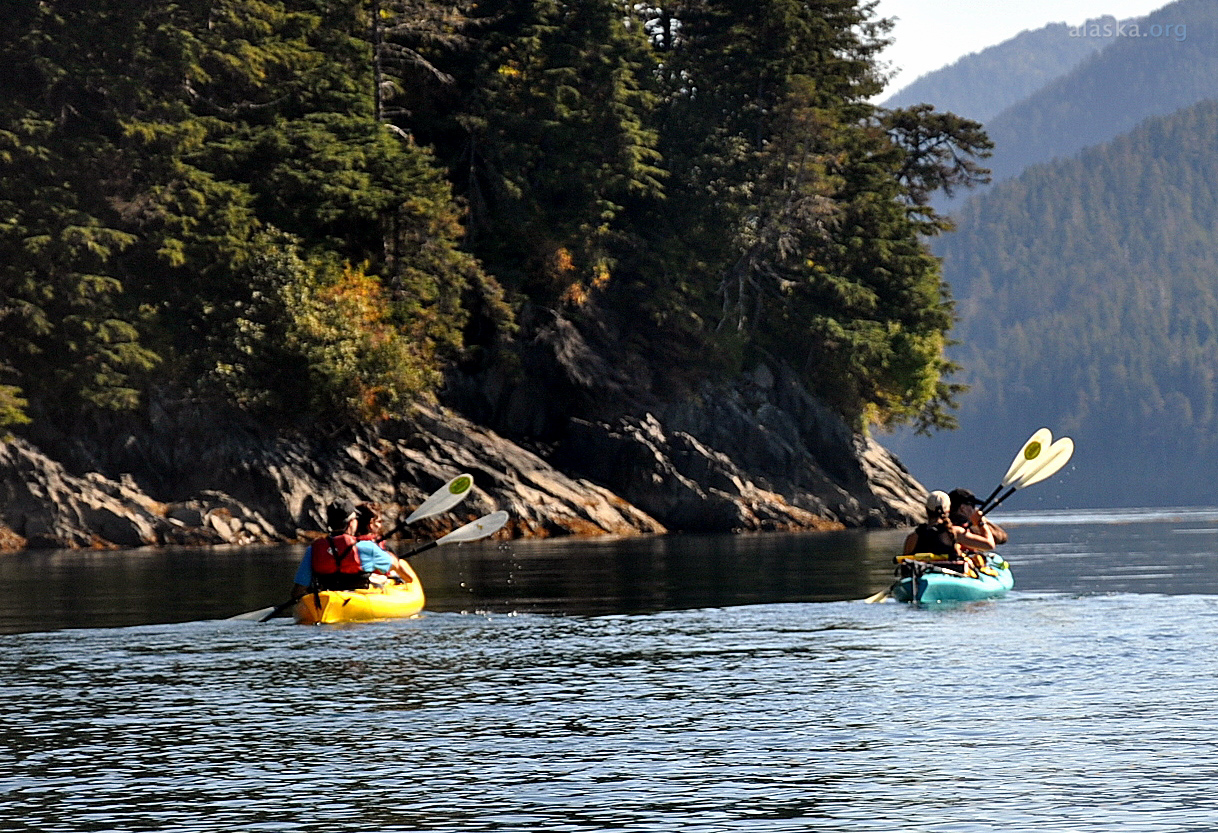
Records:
x=340, y=560
x=370, y=526
x=939, y=536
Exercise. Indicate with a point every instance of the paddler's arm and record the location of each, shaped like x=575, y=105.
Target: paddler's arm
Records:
x=375, y=559
x=999, y=534
x=980, y=522
x=304, y=575
x=981, y=541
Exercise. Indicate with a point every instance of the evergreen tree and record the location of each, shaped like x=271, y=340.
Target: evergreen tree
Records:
x=796, y=208
x=555, y=142
x=65, y=334
x=149, y=147
x=213, y=188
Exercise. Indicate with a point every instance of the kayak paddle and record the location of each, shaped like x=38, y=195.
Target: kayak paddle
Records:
x=443, y=499
x=484, y=527
x=1031, y=453
x=1053, y=460
x=879, y=597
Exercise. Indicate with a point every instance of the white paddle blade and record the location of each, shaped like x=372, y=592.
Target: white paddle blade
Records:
x=878, y=597
x=1058, y=455
x=481, y=528
x=1031, y=454
x=445, y=498
x=252, y=616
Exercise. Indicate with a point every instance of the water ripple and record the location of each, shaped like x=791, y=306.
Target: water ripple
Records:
x=1046, y=711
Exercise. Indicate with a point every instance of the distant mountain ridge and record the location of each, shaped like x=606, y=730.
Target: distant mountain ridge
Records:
x=982, y=84
x=1086, y=276
x=1151, y=67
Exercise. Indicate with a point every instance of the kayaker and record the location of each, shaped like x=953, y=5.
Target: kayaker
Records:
x=965, y=512
x=370, y=526
x=339, y=561
x=939, y=536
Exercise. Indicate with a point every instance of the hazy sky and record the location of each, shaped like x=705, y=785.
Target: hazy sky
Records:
x=933, y=33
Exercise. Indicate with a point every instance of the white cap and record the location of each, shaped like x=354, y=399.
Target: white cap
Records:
x=937, y=502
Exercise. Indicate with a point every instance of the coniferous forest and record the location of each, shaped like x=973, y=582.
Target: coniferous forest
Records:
x=1085, y=284
x=331, y=208
x=1089, y=301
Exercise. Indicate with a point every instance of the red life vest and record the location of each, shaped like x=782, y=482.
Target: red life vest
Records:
x=336, y=555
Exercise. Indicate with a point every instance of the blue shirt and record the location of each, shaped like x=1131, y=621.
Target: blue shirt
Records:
x=372, y=559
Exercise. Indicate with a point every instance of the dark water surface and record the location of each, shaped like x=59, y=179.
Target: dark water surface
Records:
x=685, y=683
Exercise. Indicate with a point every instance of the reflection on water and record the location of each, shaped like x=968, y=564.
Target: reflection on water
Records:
x=46, y=590
x=42, y=590
x=1171, y=551
x=633, y=575
x=1139, y=551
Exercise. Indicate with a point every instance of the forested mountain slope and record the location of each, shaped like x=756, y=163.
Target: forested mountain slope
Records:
x=1088, y=296
x=330, y=206
x=982, y=84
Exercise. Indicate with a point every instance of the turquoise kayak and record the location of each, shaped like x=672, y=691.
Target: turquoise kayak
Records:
x=924, y=582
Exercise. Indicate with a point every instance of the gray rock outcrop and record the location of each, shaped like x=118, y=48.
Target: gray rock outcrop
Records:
x=274, y=490
x=763, y=455
x=759, y=455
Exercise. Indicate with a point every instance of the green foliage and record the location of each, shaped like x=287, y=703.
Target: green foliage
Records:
x=555, y=140
x=313, y=339
x=255, y=198
x=147, y=148
x=795, y=209
x=12, y=407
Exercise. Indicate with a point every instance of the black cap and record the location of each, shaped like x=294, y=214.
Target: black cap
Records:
x=338, y=513
x=959, y=497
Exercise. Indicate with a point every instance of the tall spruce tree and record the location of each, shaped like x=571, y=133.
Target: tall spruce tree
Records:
x=796, y=211
x=554, y=140
x=64, y=334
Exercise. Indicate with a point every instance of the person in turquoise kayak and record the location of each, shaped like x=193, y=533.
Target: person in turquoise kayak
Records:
x=339, y=560
x=965, y=511
x=939, y=536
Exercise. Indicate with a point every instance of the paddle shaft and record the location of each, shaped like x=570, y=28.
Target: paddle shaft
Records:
x=278, y=609
x=396, y=529
x=994, y=505
x=419, y=549
x=1029, y=455
x=1059, y=454
x=993, y=494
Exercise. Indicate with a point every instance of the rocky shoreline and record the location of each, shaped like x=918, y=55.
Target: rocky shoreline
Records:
x=760, y=455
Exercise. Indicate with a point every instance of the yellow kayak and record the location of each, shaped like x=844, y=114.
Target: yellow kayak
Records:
x=393, y=601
